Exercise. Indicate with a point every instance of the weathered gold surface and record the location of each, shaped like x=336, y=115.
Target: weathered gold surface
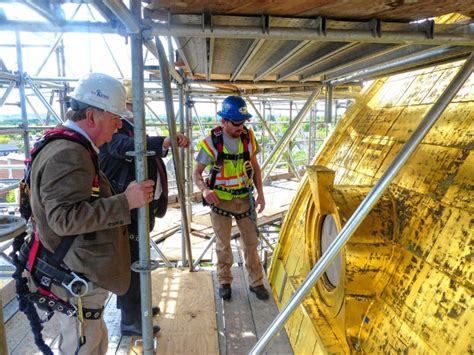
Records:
x=407, y=273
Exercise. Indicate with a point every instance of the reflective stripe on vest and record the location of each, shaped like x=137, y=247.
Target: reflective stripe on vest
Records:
x=231, y=176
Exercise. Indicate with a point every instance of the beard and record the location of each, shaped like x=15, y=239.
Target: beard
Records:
x=236, y=134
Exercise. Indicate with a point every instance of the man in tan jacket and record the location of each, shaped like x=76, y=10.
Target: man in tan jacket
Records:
x=71, y=197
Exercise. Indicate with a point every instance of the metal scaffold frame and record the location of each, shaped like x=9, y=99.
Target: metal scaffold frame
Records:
x=186, y=88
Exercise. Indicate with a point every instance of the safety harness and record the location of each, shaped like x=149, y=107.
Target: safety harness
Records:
x=47, y=268
x=218, y=142
x=157, y=207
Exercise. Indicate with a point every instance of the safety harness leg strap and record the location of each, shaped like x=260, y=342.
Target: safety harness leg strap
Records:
x=229, y=214
x=48, y=303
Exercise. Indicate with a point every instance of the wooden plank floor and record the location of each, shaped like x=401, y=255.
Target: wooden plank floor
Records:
x=244, y=319
x=187, y=319
x=235, y=330
x=194, y=320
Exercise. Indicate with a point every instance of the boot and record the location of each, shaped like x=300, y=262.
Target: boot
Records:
x=225, y=292
x=260, y=291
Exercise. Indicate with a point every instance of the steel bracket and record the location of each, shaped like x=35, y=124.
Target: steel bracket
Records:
x=141, y=267
x=428, y=28
x=190, y=103
x=265, y=19
x=375, y=26
x=133, y=153
x=320, y=24
x=207, y=21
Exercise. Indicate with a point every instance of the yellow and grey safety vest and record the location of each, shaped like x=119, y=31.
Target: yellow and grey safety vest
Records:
x=230, y=176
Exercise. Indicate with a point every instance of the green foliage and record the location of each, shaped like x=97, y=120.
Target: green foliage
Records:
x=299, y=155
x=4, y=139
x=11, y=196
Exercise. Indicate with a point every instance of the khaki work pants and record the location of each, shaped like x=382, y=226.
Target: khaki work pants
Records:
x=95, y=330
x=222, y=226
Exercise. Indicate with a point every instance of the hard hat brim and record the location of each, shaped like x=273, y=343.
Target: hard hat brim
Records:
x=127, y=114
x=242, y=117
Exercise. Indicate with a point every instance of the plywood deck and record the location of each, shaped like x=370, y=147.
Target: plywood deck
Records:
x=194, y=319
x=244, y=319
x=187, y=319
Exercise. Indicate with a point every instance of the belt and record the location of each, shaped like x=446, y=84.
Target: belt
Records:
x=52, y=304
x=229, y=214
x=45, y=273
x=133, y=237
x=234, y=192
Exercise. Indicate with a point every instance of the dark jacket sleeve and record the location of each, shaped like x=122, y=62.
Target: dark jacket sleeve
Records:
x=121, y=144
x=156, y=144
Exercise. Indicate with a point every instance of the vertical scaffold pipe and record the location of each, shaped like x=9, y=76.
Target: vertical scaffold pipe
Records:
x=366, y=205
x=21, y=86
x=181, y=155
x=140, y=174
x=188, y=118
x=168, y=95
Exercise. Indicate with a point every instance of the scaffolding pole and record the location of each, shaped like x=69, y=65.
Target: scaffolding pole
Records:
x=398, y=63
x=182, y=157
x=328, y=106
x=291, y=162
x=366, y=205
x=21, y=87
x=189, y=159
x=7, y=93
x=291, y=131
x=342, y=34
x=40, y=96
x=166, y=83
x=143, y=265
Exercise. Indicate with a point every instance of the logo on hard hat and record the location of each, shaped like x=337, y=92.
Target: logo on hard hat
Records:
x=243, y=110
x=99, y=93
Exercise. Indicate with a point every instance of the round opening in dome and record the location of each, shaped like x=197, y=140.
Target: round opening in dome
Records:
x=328, y=234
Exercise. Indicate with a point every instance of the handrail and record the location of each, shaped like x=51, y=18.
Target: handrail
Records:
x=366, y=205
x=9, y=187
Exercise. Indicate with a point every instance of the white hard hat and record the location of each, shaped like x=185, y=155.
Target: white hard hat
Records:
x=101, y=91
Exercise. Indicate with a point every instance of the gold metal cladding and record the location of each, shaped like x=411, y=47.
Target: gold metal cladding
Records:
x=406, y=274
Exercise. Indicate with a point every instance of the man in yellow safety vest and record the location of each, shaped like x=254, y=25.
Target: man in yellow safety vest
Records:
x=231, y=150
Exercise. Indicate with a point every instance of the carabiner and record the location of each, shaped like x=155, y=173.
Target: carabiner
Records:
x=73, y=286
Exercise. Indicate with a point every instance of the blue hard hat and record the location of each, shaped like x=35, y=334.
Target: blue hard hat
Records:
x=234, y=109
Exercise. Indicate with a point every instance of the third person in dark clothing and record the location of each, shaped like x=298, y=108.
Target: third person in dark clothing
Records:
x=120, y=169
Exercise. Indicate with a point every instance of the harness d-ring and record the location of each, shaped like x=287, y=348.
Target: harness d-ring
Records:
x=78, y=287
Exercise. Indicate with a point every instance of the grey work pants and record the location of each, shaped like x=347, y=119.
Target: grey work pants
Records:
x=222, y=226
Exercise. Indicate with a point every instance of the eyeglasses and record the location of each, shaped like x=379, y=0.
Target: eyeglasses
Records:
x=236, y=124
x=114, y=115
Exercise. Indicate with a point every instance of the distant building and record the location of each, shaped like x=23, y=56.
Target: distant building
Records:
x=12, y=166
x=6, y=149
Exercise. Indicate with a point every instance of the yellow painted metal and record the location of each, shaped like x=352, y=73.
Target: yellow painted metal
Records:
x=407, y=273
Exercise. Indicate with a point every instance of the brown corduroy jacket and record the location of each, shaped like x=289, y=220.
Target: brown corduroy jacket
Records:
x=61, y=184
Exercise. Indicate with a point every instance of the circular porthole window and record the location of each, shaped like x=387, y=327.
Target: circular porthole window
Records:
x=328, y=234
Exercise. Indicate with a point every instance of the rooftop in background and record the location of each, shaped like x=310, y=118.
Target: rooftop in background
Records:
x=6, y=149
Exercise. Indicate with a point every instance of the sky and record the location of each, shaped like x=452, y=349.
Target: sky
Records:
x=84, y=53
